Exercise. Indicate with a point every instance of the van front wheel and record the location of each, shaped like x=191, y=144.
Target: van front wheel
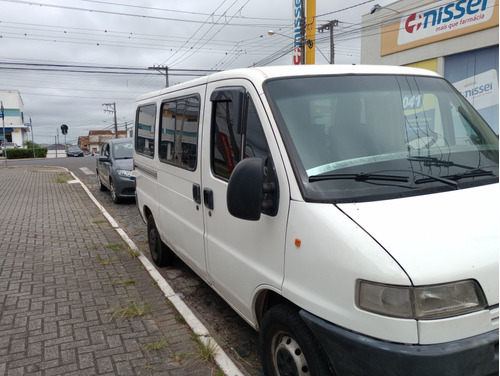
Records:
x=160, y=253
x=287, y=345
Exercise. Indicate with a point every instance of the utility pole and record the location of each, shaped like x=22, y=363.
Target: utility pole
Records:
x=32, y=138
x=160, y=68
x=56, y=138
x=111, y=107
x=310, y=30
x=329, y=26
x=4, y=151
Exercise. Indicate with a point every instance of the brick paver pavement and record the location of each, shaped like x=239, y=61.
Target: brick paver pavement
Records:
x=64, y=275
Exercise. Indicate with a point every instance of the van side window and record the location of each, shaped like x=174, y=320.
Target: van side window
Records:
x=145, y=130
x=235, y=123
x=179, y=132
x=255, y=140
x=226, y=136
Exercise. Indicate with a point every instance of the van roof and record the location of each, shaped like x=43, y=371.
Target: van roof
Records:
x=259, y=74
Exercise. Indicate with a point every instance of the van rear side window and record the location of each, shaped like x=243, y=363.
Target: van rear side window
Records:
x=145, y=130
x=179, y=132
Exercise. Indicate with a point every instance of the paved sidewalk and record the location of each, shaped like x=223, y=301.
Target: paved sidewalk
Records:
x=65, y=277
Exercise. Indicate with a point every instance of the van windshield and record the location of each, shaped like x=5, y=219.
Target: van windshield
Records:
x=366, y=137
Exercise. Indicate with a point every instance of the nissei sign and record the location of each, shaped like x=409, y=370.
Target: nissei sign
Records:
x=480, y=90
x=297, y=32
x=438, y=21
x=443, y=19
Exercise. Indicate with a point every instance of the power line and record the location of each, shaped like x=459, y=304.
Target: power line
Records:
x=217, y=32
x=97, y=69
x=115, y=13
x=115, y=67
x=178, y=11
x=192, y=36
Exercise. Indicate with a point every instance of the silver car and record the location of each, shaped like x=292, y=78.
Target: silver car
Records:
x=8, y=145
x=114, y=168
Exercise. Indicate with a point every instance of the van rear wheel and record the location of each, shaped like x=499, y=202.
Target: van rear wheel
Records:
x=160, y=253
x=288, y=347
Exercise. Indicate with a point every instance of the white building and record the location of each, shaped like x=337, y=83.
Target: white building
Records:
x=457, y=39
x=15, y=128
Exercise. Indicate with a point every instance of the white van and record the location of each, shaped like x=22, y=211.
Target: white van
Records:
x=348, y=213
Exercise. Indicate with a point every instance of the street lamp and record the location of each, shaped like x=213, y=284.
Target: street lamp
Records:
x=377, y=7
x=272, y=32
x=301, y=44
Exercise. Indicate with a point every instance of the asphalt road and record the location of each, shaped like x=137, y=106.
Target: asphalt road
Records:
x=222, y=321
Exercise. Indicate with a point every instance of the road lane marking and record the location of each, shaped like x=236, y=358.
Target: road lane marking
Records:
x=87, y=171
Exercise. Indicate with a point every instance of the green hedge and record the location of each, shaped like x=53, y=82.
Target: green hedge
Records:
x=25, y=153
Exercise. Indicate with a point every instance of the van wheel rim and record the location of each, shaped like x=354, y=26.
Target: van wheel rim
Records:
x=289, y=358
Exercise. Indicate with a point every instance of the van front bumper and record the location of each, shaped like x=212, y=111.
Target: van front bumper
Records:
x=353, y=354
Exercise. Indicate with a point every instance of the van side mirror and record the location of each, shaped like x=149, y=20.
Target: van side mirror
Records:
x=245, y=189
x=103, y=158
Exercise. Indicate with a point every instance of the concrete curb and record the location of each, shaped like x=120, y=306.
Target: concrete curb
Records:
x=221, y=358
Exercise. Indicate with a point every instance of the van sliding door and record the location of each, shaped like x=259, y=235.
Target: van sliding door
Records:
x=179, y=177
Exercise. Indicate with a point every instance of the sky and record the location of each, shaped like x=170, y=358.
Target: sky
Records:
x=70, y=59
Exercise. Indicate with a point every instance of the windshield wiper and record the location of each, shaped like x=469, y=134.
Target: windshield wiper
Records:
x=471, y=174
x=433, y=161
x=451, y=180
x=456, y=177
x=359, y=177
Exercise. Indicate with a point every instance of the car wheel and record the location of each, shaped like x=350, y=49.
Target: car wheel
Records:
x=114, y=195
x=102, y=187
x=287, y=345
x=160, y=253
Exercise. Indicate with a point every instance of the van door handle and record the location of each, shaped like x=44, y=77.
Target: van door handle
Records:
x=208, y=198
x=197, y=193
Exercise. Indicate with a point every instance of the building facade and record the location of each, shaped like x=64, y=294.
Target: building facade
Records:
x=14, y=123
x=457, y=39
x=97, y=138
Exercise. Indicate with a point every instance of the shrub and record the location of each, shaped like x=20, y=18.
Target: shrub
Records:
x=25, y=153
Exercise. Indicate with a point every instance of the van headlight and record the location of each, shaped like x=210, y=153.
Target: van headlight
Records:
x=421, y=302
x=124, y=173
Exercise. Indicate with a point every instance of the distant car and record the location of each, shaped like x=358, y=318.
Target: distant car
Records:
x=114, y=168
x=8, y=145
x=74, y=151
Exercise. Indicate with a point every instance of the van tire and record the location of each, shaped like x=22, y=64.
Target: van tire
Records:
x=160, y=253
x=288, y=347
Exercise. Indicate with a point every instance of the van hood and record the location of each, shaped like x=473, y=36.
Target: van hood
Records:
x=440, y=237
